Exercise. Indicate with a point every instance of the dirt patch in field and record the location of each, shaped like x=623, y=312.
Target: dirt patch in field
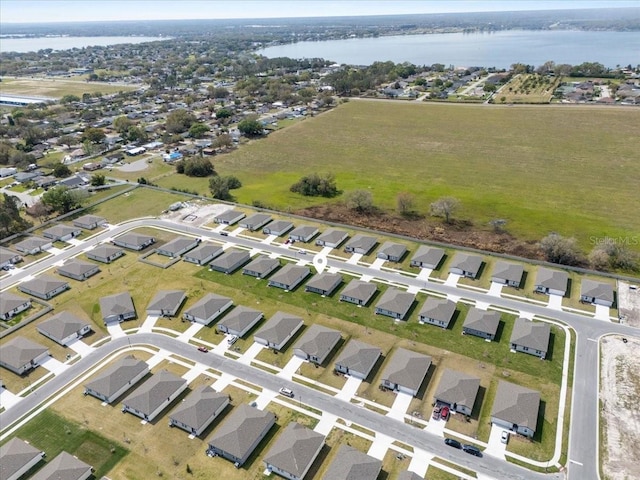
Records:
x=458, y=233
x=620, y=396
x=629, y=303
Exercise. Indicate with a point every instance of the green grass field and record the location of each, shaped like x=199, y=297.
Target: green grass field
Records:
x=569, y=170
x=57, y=87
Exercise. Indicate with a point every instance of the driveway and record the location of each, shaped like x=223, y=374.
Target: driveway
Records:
x=115, y=330
x=602, y=313
x=349, y=389
x=400, y=406
x=80, y=347
x=380, y=445
x=54, y=366
x=190, y=332
x=325, y=424
x=495, y=289
x=495, y=447
x=8, y=399
x=420, y=462
x=555, y=302
x=291, y=367
x=251, y=353
x=148, y=324
x=436, y=427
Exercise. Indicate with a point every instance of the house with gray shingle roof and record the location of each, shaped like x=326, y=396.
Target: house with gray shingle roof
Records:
x=44, y=287
x=358, y=292
x=105, y=253
x=117, y=379
x=255, y=221
x=17, y=457
x=117, y=308
x=33, y=245
x=317, y=343
x=598, y=293
x=406, y=371
x=241, y=433
x=361, y=244
x=332, y=238
x=277, y=332
x=509, y=274
x=78, y=269
x=11, y=305
x=481, y=323
x=357, y=359
x=466, y=265
x=239, y=321
x=199, y=409
x=153, y=396
x=89, y=222
x=178, y=246
x=551, y=282
x=279, y=227
x=261, y=266
x=530, y=337
x=394, y=303
x=230, y=261
x=63, y=328
x=166, y=303
x=407, y=475
x=303, y=233
x=427, y=257
x=351, y=464
x=324, y=283
x=64, y=466
x=458, y=391
x=203, y=254
x=293, y=453
x=134, y=241
x=20, y=355
x=61, y=233
x=289, y=277
x=229, y=217
x=516, y=408
x=206, y=310
x=392, y=252
x=437, y=311
x=8, y=257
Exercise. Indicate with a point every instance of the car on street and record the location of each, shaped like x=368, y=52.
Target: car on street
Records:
x=444, y=413
x=203, y=349
x=287, y=392
x=471, y=450
x=436, y=413
x=453, y=443
x=504, y=438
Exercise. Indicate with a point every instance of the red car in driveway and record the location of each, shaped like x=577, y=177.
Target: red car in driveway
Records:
x=444, y=413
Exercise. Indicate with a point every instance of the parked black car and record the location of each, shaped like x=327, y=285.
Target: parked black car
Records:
x=452, y=443
x=470, y=449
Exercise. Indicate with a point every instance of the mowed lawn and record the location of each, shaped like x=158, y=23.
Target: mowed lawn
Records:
x=572, y=170
x=58, y=87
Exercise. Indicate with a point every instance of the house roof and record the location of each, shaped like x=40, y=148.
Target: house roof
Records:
x=178, y=244
x=395, y=300
x=256, y=219
x=199, y=406
x=241, y=429
x=359, y=290
x=279, y=327
x=229, y=216
x=205, y=250
x=482, y=320
x=362, y=242
x=430, y=255
x=290, y=274
x=262, y=264
x=132, y=238
x=6, y=254
x=60, y=230
x=208, y=305
x=230, y=259
x=32, y=242
x=325, y=281
x=295, y=449
x=553, y=279
x=43, y=284
x=407, y=368
x=407, y=475
x=393, y=249
x=117, y=375
x=303, y=231
x=359, y=356
x=318, y=340
x=9, y=301
x=333, y=235
x=239, y=318
x=516, y=404
x=89, y=220
x=280, y=225
x=534, y=335
x=458, y=387
x=167, y=300
x=118, y=304
x=466, y=262
x=439, y=309
x=14, y=455
x=154, y=392
x=508, y=271
x=77, y=267
x=105, y=251
x=599, y=290
x=351, y=464
x=62, y=325
x=19, y=351
x=64, y=466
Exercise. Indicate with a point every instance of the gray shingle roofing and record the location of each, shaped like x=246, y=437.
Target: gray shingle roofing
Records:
x=14, y=455
x=32, y=242
x=508, y=271
x=361, y=242
x=290, y=273
x=516, y=404
x=118, y=304
x=207, y=305
x=482, y=320
x=303, y=231
x=199, y=406
x=458, y=387
x=428, y=255
x=89, y=220
x=392, y=249
x=395, y=300
x=205, y=250
x=534, y=335
x=325, y=281
x=58, y=231
x=154, y=392
x=117, y=375
x=240, y=430
x=6, y=254
x=439, y=309
x=280, y=225
x=333, y=235
x=105, y=251
x=19, y=351
x=359, y=356
x=240, y=318
x=9, y=301
x=359, y=290
x=43, y=284
x=178, y=244
x=62, y=325
x=466, y=262
x=166, y=300
x=407, y=475
x=318, y=340
x=64, y=467
x=295, y=449
x=599, y=290
x=279, y=327
x=262, y=264
x=229, y=216
x=407, y=368
x=134, y=238
x=351, y=464
x=231, y=258
x=255, y=220
x=553, y=279
x=77, y=267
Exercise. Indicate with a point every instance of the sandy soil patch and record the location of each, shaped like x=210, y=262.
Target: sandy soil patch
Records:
x=196, y=213
x=620, y=396
x=629, y=303
x=137, y=166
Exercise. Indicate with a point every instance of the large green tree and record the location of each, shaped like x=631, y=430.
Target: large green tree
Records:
x=61, y=199
x=10, y=220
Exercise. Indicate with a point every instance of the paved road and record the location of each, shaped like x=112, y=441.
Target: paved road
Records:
x=583, y=441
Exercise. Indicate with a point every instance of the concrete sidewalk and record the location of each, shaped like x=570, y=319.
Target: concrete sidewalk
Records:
x=380, y=446
x=325, y=424
x=420, y=462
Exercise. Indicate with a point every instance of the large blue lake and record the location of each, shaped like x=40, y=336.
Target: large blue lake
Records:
x=499, y=49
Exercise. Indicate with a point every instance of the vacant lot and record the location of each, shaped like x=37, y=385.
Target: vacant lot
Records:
x=528, y=88
x=57, y=87
x=525, y=164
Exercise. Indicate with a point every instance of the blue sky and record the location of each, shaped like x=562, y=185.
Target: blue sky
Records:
x=37, y=11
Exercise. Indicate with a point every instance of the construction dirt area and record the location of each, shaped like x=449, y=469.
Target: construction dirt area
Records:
x=629, y=303
x=620, y=401
x=195, y=213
